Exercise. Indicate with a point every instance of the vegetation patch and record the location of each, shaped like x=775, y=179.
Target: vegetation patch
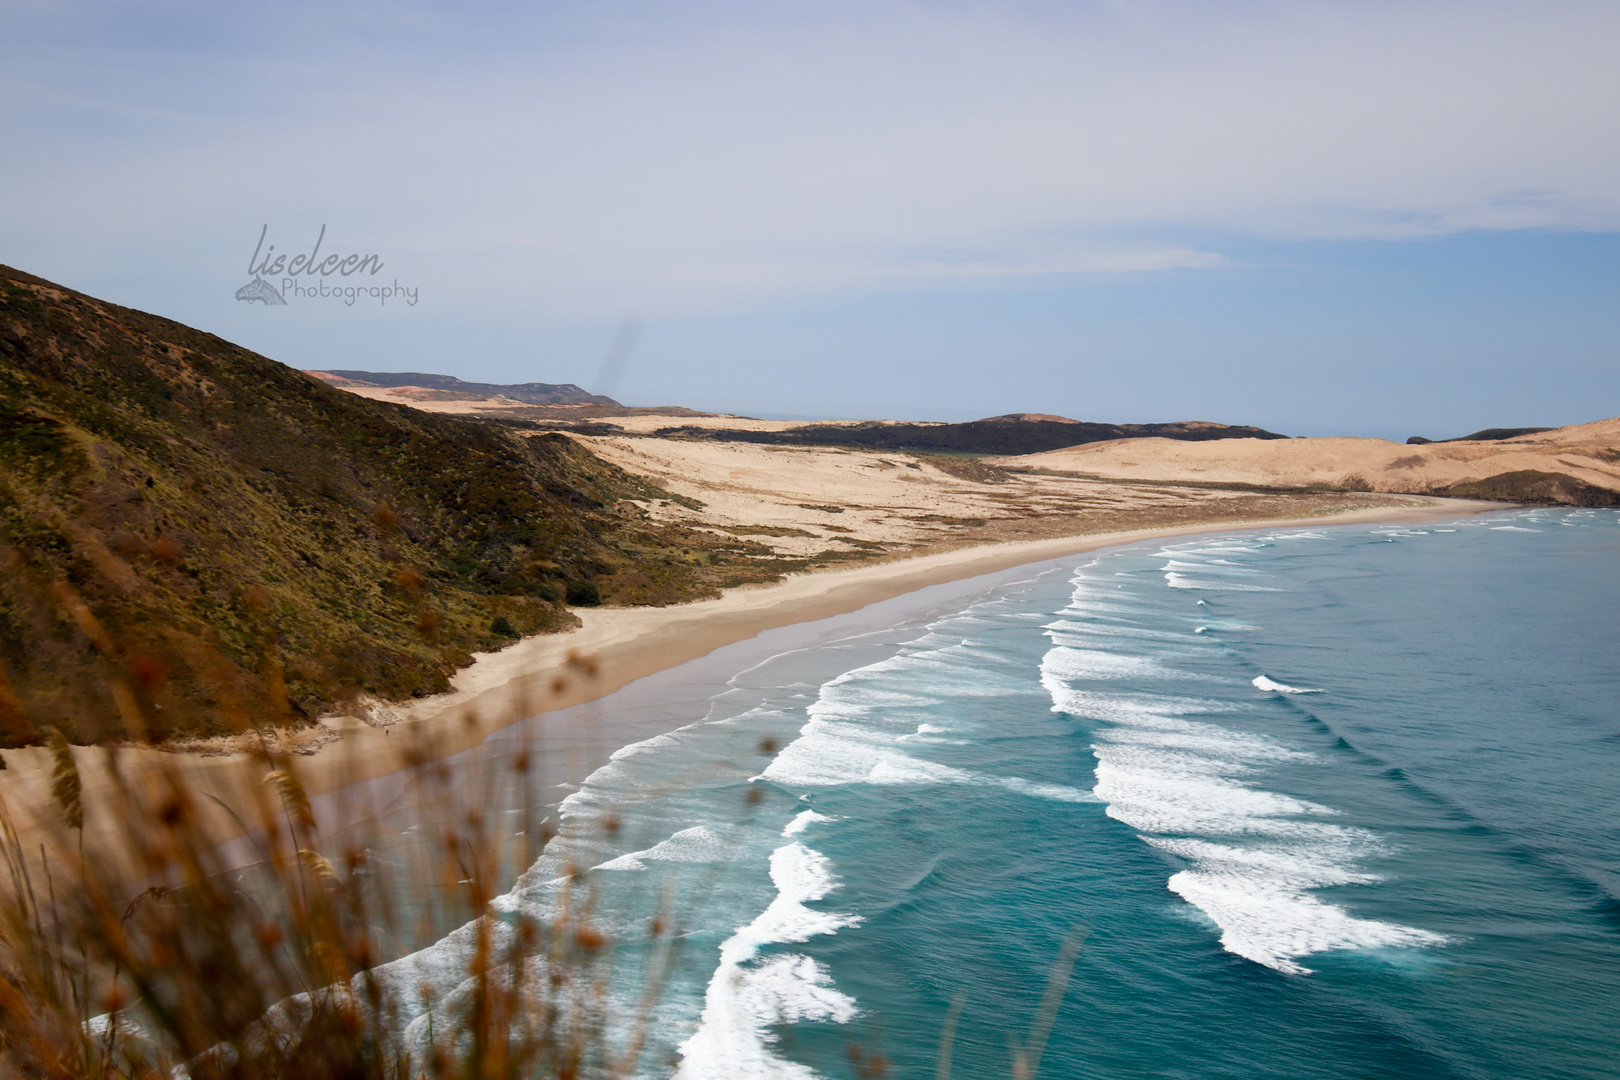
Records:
x=765, y=530
x=685, y=500
x=1534, y=486
x=946, y=519
x=584, y=594
x=970, y=469
x=999, y=435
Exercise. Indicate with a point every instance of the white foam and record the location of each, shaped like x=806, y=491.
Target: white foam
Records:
x=747, y=995
x=1086, y=607
x=1055, y=792
x=828, y=753
x=930, y=733
x=1211, y=566
x=1259, y=899
x=1177, y=580
x=1193, y=789
x=901, y=769
x=1068, y=662
x=1271, y=686
x=694, y=845
x=1136, y=709
x=1165, y=792
x=1084, y=633
x=1261, y=682
x=803, y=820
x=849, y=739
x=1254, y=885
x=1231, y=750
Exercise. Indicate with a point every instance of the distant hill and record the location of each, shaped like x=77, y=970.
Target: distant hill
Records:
x=534, y=393
x=1494, y=434
x=239, y=532
x=1018, y=433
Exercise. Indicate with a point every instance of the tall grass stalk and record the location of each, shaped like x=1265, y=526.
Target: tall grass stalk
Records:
x=140, y=948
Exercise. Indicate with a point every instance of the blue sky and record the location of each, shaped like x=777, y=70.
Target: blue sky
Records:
x=1363, y=218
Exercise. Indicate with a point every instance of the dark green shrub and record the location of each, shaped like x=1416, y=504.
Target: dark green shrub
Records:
x=502, y=626
x=584, y=594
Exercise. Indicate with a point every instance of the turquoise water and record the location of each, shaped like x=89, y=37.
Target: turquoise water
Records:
x=1341, y=802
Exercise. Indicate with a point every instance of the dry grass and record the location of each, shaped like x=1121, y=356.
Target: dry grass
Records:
x=143, y=954
x=142, y=949
x=196, y=977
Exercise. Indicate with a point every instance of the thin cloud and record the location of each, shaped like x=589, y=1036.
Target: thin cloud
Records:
x=683, y=161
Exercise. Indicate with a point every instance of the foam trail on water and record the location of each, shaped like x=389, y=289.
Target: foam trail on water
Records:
x=851, y=736
x=1192, y=788
x=804, y=820
x=1259, y=899
x=1261, y=682
x=696, y=844
x=1177, y=580
x=747, y=994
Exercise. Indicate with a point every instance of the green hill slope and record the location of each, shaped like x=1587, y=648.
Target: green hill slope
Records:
x=236, y=527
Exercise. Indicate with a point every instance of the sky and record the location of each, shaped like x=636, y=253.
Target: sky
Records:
x=1374, y=218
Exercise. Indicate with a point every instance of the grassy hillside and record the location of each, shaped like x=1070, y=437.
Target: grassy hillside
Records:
x=233, y=531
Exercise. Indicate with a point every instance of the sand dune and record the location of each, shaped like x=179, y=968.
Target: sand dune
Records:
x=834, y=504
x=1589, y=453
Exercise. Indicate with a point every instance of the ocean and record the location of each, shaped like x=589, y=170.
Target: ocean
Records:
x=1331, y=802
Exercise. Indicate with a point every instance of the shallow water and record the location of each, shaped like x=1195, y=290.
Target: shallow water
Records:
x=1328, y=803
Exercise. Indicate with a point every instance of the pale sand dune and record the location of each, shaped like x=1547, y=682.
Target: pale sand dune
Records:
x=850, y=502
x=1587, y=452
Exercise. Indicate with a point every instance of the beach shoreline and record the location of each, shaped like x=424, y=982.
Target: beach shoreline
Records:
x=613, y=648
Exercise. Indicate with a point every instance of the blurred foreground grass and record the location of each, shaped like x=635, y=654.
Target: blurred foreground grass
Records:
x=133, y=948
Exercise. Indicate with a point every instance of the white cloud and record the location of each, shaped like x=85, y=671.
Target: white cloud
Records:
x=668, y=163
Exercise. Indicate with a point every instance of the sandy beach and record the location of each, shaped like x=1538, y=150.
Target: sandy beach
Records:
x=612, y=649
